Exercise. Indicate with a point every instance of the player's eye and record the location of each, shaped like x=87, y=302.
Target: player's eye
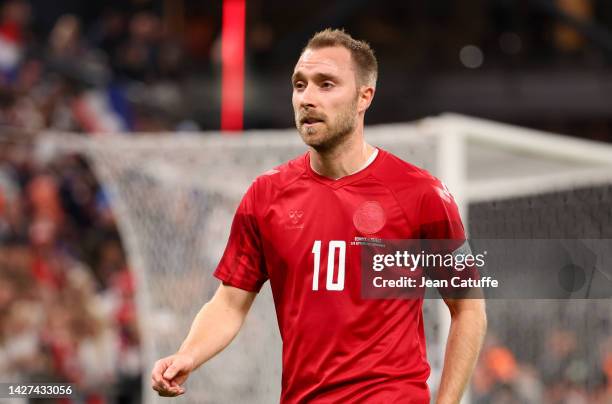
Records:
x=299, y=85
x=327, y=84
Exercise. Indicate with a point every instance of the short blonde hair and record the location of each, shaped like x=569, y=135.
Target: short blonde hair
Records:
x=361, y=53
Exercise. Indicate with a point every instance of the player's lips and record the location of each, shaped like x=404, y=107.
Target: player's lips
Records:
x=309, y=121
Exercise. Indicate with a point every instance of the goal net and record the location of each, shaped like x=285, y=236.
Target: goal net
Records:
x=174, y=196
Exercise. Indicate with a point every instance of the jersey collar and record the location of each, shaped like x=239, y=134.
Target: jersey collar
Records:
x=347, y=179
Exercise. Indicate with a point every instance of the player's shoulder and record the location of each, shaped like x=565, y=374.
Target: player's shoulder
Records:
x=280, y=176
x=398, y=173
x=413, y=185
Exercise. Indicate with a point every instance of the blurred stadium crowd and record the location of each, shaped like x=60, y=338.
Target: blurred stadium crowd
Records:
x=154, y=65
x=561, y=371
x=67, y=310
x=120, y=73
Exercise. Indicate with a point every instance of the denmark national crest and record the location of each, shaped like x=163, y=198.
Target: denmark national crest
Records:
x=369, y=217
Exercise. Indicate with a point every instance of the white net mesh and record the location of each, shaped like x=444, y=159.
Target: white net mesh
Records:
x=560, y=347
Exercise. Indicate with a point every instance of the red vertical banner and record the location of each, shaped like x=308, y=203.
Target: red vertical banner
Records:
x=232, y=61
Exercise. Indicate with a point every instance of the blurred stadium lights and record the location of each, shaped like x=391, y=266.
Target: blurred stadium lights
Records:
x=471, y=56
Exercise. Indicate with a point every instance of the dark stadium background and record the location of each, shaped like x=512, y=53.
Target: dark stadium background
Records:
x=545, y=63
x=65, y=287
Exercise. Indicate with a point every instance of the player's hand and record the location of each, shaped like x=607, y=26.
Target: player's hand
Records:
x=170, y=373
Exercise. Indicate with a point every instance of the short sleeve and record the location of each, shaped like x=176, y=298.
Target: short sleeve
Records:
x=443, y=233
x=242, y=264
x=439, y=216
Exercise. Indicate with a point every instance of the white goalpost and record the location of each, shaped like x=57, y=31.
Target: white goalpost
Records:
x=174, y=196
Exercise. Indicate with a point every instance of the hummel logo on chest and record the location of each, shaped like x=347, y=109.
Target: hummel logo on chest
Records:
x=296, y=219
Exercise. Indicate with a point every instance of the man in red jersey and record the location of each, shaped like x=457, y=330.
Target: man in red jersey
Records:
x=301, y=226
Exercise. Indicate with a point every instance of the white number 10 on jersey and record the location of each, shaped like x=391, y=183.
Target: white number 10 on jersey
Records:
x=340, y=246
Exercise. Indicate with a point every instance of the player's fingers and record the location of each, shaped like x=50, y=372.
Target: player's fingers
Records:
x=160, y=390
x=171, y=372
x=178, y=386
x=156, y=383
x=158, y=368
x=168, y=392
x=157, y=374
x=159, y=382
x=178, y=390
x=171, y=392
x=159, y=386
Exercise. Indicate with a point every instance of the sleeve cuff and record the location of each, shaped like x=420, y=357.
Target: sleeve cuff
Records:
x=238, y=283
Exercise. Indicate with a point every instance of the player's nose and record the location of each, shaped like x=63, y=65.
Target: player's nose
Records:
x=308, y=97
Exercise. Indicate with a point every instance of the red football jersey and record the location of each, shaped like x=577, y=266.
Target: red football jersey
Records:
x=301, y=230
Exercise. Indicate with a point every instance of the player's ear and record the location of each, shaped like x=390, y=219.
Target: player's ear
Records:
x=365, y=96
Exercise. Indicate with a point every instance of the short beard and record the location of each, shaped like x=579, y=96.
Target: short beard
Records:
x=338, y=131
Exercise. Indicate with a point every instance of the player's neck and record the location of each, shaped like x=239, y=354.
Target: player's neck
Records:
x=346, y=159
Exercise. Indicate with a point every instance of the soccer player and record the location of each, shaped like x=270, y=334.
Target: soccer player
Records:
x=298, y=226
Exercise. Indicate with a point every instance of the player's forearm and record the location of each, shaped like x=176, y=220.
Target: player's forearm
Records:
x=213, y=328
x=467, y=331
